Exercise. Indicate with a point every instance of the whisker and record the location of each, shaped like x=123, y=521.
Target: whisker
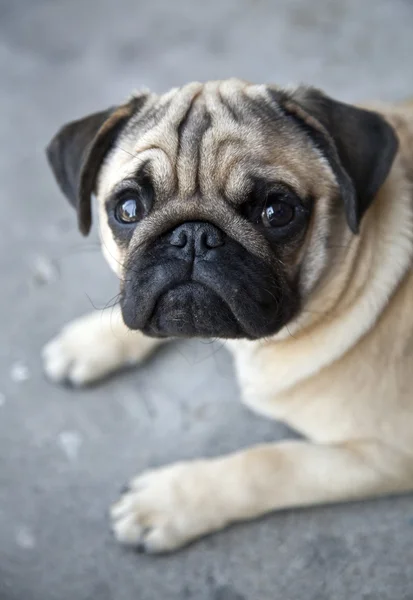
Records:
x=110, y=304
x=123, y=149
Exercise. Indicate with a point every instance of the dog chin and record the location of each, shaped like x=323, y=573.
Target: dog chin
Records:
x=191, y=310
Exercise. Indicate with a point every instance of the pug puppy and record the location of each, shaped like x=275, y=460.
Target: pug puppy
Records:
x=280, y=220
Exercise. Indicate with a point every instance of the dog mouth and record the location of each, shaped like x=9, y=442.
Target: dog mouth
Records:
x=191, y=309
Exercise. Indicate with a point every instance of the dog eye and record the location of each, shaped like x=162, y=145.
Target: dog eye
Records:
x=277, y=213
x=129, y=210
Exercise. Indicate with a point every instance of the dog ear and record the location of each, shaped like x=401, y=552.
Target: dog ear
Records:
x=76, y=153
x=359, y=145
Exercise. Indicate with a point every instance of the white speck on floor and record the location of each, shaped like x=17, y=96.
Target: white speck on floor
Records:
x=2, y=399
x=70, y=442
x=19, y=372
x=25, y=538
x=44, y=270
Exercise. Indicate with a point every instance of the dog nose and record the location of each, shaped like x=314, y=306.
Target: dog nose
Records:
x=197, y=236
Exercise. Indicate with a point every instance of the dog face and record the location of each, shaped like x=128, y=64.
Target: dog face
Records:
x=218, y=202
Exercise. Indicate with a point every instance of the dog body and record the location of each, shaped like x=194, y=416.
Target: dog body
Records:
x=318, y=316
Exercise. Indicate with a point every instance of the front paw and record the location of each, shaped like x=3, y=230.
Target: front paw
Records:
x=166, y=508
x=85, y=351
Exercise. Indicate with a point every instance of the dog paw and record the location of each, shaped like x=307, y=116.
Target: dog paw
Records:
x=167, y=508
x=88, y=349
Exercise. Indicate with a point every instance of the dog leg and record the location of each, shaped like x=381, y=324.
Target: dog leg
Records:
x=94, y=346
x=168, y=507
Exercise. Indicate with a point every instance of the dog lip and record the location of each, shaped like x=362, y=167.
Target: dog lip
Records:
x=181, y=284
x=192, y=309
x=199, y=282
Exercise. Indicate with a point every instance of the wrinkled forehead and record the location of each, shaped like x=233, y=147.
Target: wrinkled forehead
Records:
x=212, y=138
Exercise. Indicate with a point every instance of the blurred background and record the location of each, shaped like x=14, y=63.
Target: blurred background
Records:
x=64, y=455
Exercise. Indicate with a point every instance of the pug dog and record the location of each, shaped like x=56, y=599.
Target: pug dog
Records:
x=280, y=220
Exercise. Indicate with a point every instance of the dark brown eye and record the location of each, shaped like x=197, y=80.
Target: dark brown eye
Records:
x=129, y=210
x=277, y=213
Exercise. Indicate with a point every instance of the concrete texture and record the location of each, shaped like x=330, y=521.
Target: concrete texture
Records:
x=64, y=454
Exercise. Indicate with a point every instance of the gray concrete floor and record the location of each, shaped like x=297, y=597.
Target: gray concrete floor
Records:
x=63, y=454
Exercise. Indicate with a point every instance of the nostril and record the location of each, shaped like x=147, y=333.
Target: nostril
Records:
x=212, y=238
x=179, y=238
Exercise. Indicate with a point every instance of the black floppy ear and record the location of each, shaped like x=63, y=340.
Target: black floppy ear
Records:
x=359, y=145
x=77, y=151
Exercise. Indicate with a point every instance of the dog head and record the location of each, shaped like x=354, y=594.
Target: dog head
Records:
x=218, y=202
